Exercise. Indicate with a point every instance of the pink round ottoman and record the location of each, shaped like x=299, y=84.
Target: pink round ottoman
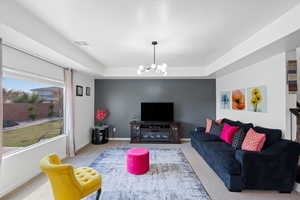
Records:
x=137, y=160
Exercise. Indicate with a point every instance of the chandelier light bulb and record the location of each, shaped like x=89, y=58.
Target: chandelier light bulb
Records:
x=158, y=68
x=164, y=67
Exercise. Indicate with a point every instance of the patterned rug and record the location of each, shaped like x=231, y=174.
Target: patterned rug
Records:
x=170, y=177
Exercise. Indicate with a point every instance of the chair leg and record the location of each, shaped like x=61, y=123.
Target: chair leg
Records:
x=98, y=194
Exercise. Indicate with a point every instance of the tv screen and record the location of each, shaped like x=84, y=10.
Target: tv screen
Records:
x=157, y=112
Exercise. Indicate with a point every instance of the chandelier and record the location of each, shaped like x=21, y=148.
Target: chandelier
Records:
x=160, y=69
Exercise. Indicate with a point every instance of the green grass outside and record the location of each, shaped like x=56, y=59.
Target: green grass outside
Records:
x=26, y=136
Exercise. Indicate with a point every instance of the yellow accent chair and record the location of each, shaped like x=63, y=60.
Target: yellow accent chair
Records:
x=69, y=183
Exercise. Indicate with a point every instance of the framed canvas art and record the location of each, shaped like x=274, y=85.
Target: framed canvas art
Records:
x=257, y=99
x=79, y=90
x=238, y=99
x=88, y=91
x=225, y=100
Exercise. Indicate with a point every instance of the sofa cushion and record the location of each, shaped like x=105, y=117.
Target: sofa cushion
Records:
x=245, y=126
x=238, y=138
x=219, y=121
x=208, y=125
x=221, y=156
x=219, y=146
x=272, y=135
x=254, y=141
x=229, y=121
x=228, y=132
x=204, y=137
x=215, y=128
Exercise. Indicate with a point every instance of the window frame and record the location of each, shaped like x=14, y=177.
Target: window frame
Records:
x=15, y=74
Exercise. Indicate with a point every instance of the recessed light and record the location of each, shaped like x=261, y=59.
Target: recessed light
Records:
x=81, y=43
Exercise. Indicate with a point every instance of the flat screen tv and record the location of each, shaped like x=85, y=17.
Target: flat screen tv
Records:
x=157, y=111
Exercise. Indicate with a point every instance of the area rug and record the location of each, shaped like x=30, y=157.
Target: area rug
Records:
x=170, y=177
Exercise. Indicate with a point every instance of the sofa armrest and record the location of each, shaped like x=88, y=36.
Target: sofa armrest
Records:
x=200, y=129
x=284, y=146
x=250, y=156
x=277, y=163
x=281, y=149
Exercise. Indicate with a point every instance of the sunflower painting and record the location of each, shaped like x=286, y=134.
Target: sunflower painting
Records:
x=257, y=99
x=238, y=99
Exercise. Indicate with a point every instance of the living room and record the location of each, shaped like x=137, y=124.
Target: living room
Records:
x=150, y=100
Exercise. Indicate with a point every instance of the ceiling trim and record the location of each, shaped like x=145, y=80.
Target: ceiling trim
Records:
x=279, y=36
x=23, y=22
x=186, y=72
x=280, y=29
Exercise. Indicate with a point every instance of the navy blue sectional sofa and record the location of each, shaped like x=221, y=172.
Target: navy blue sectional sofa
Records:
x=274, y=168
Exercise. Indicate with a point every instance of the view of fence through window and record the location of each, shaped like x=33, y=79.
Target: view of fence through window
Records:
x=32, y=112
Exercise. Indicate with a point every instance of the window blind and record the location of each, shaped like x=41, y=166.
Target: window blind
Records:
x=21, y=65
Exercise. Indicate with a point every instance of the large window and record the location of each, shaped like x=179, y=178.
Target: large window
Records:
x=32, y=112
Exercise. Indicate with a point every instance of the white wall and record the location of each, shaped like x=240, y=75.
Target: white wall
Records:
x=84, y=110
x=272, y=73
x=20, y=167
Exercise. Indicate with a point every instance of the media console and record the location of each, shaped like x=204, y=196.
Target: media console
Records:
x=155, y=132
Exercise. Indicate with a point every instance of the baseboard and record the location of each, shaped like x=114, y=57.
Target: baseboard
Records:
x=297, y=187
x=12, y=188
x=128, y=139
x=119, y=139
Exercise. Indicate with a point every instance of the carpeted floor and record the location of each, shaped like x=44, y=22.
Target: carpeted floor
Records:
x=170, y=177
x=39, y=187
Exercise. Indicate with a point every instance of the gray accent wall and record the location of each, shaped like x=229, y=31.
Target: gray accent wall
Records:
x=194, y=100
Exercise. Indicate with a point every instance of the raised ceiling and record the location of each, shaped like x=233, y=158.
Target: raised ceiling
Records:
x=191, y=33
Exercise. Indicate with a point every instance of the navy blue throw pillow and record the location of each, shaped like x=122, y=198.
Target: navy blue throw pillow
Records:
x=216, y=128
x=272, y=135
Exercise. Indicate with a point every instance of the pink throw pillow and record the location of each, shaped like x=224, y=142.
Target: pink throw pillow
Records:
x=228, y=132
x=208, y=125
x=219, y=121
x=254, y=141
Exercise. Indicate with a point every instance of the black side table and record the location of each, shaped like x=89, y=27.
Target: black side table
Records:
x=100, y=134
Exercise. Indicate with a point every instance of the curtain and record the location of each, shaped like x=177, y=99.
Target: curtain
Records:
x=69, y=112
